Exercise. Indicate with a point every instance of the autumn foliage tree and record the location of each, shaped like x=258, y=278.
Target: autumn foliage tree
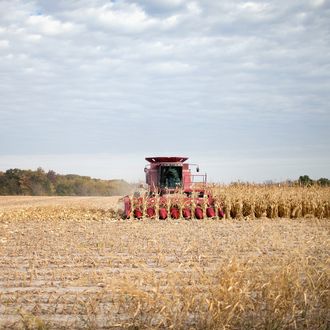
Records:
x=39, y=182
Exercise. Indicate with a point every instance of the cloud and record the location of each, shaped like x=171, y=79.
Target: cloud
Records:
x=129, y=18
x=163, y=76
x=4, y=44
x=169, y=68
x=317, y=3
x=48, y=25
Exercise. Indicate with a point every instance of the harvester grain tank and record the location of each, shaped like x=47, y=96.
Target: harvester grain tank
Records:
x=172, y=192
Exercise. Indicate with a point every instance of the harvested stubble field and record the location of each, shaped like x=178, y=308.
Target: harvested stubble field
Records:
x=72, y=263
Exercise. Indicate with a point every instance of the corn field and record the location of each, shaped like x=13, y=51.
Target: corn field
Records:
x=256, y=201
x=73, y=263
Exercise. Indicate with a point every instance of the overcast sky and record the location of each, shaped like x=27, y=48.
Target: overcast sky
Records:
x=93, y=87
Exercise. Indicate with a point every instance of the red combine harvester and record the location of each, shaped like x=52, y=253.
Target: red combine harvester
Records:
x=173, y=192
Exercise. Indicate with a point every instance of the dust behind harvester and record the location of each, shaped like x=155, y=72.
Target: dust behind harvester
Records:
x=172, y=192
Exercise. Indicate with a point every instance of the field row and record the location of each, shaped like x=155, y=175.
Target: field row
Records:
x=103, y=273
x=256, y=201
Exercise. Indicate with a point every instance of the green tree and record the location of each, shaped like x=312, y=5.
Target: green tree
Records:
x=12, y=178
x=305, y=180
x=38, y=182
x=323, y=182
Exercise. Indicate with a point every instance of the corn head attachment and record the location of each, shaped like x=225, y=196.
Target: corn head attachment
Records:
x=172, y=192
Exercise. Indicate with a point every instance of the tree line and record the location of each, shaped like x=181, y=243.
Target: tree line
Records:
x=305, y=180
x=40, y=183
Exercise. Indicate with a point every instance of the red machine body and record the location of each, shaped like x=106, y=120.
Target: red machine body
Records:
x=170, y=174
x=173, y=192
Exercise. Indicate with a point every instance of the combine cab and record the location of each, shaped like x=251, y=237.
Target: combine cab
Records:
x=173, y=192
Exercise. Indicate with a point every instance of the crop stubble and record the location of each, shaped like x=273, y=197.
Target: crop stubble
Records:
x=80, y=267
